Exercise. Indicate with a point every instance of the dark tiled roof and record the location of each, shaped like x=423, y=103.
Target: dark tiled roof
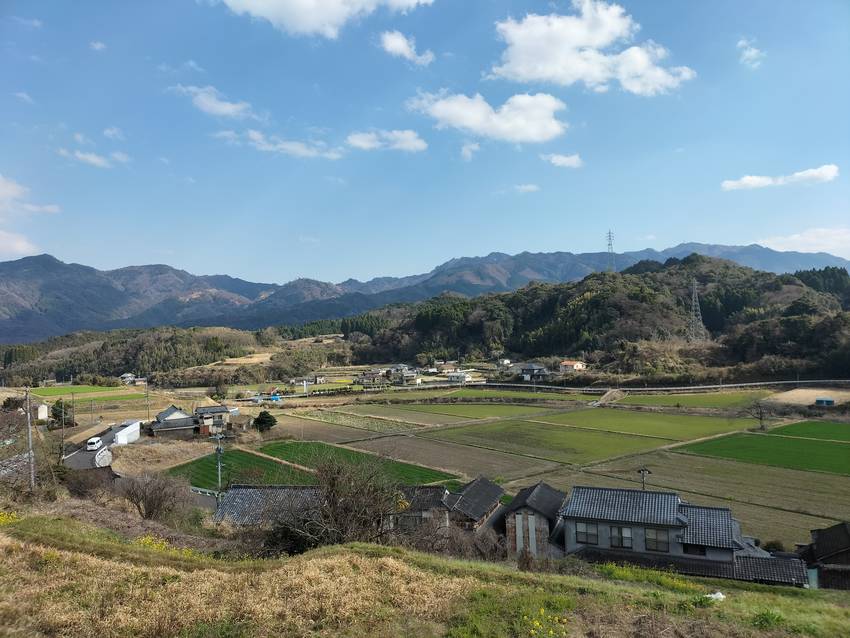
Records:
x=212, y=409
x=167, y=412
x=265, y=505
x=710, y=526
x=174, y=424
x=542, y=498
x=477, y=498
x=628, y=506
x=782, y=571
x=424, y=498
x=831, y=540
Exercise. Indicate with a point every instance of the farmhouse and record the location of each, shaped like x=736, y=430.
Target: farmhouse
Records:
x=534, y=372
x=828, y=556
x=213, y=419
x=532, y=523
x=570, y=365
x=660, y=529
x=459, y=376
x=174, y=423
x=372, y=379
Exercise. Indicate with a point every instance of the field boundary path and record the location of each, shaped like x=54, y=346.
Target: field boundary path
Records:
x=263, y=455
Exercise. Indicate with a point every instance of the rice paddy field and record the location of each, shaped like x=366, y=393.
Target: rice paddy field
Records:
x=368, y=423
x=482, y=393
x=67, y=390
x=546, y=441
x=780, y=451
x=702, y=400
x=308, y=454
x=401, y=413
x=239, y=466
x=826, y=430
x=676, y=427
x=476, y=411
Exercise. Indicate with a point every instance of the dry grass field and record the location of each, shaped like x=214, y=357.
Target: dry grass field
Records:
x=807, y=396
x=403, y=414
x=157, y=456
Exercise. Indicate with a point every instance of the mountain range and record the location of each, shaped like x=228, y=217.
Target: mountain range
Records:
x=42, y=296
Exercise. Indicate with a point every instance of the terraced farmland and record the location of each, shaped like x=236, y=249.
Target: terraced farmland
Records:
x=475, y=411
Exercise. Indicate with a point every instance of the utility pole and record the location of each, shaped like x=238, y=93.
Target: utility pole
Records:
x=644, y=472
x=62, y=444
x=91, y=411
x=29, y=442
x=148, y=399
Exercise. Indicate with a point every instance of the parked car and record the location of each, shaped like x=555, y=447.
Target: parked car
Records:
x=93, y=444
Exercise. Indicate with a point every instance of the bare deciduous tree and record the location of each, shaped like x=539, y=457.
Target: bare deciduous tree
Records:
x=760, y=411
x=153, y=495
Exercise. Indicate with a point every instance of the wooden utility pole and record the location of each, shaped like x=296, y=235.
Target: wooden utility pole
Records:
x=29, y=442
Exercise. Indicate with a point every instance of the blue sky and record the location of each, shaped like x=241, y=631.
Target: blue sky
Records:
x=270, y=139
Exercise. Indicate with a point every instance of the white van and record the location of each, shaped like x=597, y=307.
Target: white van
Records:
x=93, y=444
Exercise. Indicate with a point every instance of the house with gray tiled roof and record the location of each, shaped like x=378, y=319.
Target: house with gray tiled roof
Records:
x=828, y=556
x=469, y=508
x=532, y=523
x=660, y=529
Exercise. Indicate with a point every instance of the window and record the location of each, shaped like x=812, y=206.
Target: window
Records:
x=694, y=550
x=587, y=533
x=657, y=540
x=621, y=537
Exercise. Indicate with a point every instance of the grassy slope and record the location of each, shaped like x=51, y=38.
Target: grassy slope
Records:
x=555, y=442
x=816, y=430
x=239, y=466
x=678, y=427
x=59, y=577
x=308, y=453
x=798, y=454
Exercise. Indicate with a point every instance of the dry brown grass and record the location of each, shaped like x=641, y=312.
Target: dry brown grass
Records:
x=59, y=593
x=155, y=456
x=807, y=396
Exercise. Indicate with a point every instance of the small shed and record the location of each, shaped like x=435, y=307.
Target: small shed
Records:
x=824, y=402
x=128, y=432
x=42, y=412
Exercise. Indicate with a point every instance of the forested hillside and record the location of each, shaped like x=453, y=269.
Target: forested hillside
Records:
x=759, y=326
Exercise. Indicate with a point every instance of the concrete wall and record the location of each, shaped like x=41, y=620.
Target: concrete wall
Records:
x=639, y=542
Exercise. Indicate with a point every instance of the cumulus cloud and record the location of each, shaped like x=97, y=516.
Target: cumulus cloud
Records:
x=79, y=138
x=399, y=45
x=23, y=96
x=748, y=54
x=121, y=158
x=14, y=199
x=825, y=173
x=813, y=240
x=14, y=245
x=92, y=159
x=468, y=150
x=522, y=118
x=294, y=148
x=97, y=46
x=563, y=161
x=229, y=136
x=33, y=23
x=405, y=140
x=315, y=17
x=526, y=188
x=581, y=48
x=212, y=102
x=113, y=133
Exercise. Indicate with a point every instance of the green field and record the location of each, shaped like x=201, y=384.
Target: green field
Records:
x=797, y=454
x=61, y=390
x=309, y=453
x=368, y=423
x=542, y=440
x=240, y=467
x=703, y=400
x=475, y=393
x=677, y=427
x=112, y=397
x=475, y=411
x=816, y=430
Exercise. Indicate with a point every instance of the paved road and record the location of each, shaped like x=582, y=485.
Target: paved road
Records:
x=82, y=460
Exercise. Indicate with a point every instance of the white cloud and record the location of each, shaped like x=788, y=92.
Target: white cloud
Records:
x=750, y=55
x=14, y=245
x=121, y=158
x=97, y=45
x=315, y=17
x=212, y=102
x=188, y=65
x=825, y=173
x=568, y=49
x=229, y=136
x=33, y=23
x=404, y=140
x=79, y=138
x=399, y=45
x=93, y=159
x=526, y=188
x=563, y=161
x=468, y=150
x=113, y=133
x=23, y=96
x=275, y=144
x=14, y=196
x=522, y=118
x=812, y=240
x=165, y=160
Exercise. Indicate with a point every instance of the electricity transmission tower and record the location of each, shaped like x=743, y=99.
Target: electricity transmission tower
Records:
x=610, y=237
x=696, y=328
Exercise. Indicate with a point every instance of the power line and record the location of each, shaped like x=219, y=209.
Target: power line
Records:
x=696, y=327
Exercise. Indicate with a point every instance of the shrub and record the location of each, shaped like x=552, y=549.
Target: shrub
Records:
x=264, y=421
x=767, y=619
x=7, y=518
x=774, y=546
x=153, y=495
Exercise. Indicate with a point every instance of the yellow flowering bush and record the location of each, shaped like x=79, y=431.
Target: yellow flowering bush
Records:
x=7, y=518
x=545, y=625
